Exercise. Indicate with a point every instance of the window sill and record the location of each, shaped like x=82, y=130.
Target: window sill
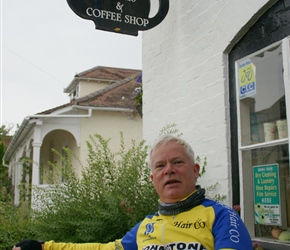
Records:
x=271, y=244
x=265, y=144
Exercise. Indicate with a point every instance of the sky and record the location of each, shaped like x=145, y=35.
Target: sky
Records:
x=43, y=45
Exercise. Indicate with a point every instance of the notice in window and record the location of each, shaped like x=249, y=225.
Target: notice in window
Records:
x=266, y=195
x=247, y=79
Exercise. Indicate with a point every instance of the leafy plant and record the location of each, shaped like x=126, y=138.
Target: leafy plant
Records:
x=134, y=100
x=170, y=129
x=26, y=179
x=113, y=194
x=15, y=223
x=5, y=181
x=138, y=92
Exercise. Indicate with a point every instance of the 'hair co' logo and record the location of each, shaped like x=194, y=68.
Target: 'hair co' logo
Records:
x=199, y=224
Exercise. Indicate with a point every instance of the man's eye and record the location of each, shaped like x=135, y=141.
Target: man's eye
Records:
x=178, y=162
x=159, y=166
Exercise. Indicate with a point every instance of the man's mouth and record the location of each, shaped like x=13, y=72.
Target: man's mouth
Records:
x=171, y=182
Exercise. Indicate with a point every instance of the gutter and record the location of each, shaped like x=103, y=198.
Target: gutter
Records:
x=102, y=108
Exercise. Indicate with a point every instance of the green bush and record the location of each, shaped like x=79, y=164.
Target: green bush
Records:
x=15, y=224
x=5, y=181
x=112, y=195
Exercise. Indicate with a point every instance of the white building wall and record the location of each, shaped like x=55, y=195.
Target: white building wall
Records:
x=185, y=77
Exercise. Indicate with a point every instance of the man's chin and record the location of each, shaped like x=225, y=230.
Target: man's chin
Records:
x=172, y=197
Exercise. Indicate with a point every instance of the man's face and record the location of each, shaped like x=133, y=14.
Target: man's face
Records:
x=173, y=174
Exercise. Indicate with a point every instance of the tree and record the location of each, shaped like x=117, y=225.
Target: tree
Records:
x=14, y=220
x=4, y=132
x=5, y=181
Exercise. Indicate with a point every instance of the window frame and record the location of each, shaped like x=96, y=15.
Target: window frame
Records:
x=244, y=189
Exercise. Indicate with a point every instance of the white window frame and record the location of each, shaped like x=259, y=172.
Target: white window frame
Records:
x=249, y=221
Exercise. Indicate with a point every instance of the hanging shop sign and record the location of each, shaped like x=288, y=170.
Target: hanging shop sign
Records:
x=120, y=16
x=267, y=195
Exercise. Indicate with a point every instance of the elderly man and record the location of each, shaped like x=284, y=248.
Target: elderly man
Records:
x=185, y=218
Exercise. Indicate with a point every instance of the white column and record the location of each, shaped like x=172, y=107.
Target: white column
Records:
x=35, y=163
x=36, y=158
x=17, y=168
x=27, y=155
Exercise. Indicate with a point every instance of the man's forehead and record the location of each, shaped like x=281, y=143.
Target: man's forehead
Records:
x=168, y=154
x=170, y=157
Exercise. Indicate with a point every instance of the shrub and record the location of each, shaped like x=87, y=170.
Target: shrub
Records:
x=112, y=195
x=15, y=224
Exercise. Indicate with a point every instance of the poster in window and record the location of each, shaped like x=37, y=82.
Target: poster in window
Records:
x=267, y=207
x=247, y=79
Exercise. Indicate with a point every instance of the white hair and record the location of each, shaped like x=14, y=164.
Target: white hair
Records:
x=165, y=139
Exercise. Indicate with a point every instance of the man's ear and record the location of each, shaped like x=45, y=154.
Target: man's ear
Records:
x=196, y=168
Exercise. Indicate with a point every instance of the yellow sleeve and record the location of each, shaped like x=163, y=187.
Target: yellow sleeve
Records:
x=51, y=245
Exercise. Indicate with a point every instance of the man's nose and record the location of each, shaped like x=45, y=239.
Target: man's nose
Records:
x=169, y=168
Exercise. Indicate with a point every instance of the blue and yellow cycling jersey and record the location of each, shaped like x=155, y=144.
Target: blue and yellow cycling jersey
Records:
x=210, y=225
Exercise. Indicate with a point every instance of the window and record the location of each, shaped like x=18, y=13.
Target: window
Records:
x=263, y=105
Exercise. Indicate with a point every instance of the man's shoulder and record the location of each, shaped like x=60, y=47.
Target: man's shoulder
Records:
x=217, y=206
x=209, y=202
x=150, y=216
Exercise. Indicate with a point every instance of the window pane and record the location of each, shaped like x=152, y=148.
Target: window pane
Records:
x=269, y=169
x=262, y=97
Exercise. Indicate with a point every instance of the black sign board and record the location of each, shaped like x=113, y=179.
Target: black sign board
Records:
x=120, y=16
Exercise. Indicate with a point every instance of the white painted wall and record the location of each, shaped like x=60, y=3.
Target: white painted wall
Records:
x=185, y=77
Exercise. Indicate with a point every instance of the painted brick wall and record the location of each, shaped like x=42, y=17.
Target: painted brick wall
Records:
x=185, y=76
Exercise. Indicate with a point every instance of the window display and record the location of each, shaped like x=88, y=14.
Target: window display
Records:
x=262, y=84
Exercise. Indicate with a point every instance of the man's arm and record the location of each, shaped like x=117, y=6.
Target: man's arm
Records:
x=229, y=230
x=51, y=245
